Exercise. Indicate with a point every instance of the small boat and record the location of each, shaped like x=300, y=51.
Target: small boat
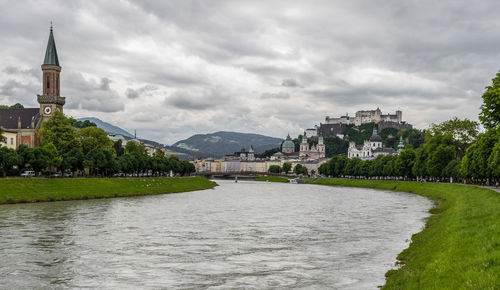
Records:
x=293, y=180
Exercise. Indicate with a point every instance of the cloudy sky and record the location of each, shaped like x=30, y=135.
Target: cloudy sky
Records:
x=171, y=69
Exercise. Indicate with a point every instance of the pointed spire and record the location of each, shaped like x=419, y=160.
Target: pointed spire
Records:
x=401, y=145
x=51, y=52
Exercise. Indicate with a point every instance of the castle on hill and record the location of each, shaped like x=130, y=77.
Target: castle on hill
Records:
x=334, y=127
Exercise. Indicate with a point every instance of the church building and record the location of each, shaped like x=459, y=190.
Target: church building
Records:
x=21, y=125
x=370, y=149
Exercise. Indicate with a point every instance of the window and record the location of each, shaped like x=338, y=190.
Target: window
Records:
x=57, y=82
x=11, y=141
x=48, y=82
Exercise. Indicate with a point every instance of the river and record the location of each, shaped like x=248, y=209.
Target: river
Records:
x=238, y=235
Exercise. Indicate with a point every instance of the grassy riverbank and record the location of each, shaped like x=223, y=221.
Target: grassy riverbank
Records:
x=460, y=245
x=272, y=179
x=18, y=190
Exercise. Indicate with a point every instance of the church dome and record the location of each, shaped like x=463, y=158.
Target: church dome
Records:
x=375, y=138
x=288, y=144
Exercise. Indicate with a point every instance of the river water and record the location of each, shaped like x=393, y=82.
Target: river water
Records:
x=238, y=235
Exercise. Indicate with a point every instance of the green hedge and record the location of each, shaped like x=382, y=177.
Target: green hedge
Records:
x=19, y=190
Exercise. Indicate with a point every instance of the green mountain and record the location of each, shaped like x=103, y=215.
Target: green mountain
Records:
x=107, y=127
x=223, y=143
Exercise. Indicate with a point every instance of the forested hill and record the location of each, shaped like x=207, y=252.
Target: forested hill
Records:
x=223, y=143
x=107, y=127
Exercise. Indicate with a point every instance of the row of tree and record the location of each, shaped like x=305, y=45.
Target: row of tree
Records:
x=64, y=148
x=287, y=167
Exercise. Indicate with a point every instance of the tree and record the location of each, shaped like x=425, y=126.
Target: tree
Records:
x=53, y=157
x=413, y=137
x=100, y=161
x=464, y=133
x=2, y=138
x=287, y=166
x=8, y=158
x=494, y=161
x=93, y=138
x=451, y=169
x=268, y=153
x=39, y=159
x=389, y=137
x=73, y=160
x=490, y=109
x=404, y=162
x=439, y=158
x=118, y=148
x=17, y=106
x=335, y=146
x=476, y=162
x=59, y=131
x=26, y=154
x=299, y=169
x=134, y=147
x=83, y=124
x=274, y=169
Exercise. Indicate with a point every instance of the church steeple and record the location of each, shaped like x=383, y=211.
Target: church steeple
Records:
x=51, y=99
x=51, y=51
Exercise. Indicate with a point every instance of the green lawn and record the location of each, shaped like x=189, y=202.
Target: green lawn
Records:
x=18, y=190
x=272, y=179
x=460, y=245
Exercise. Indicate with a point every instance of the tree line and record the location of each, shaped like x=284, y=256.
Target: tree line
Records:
x=287, y=167
x=63, y=148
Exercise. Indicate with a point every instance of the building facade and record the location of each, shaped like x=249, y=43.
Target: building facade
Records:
x=370, y=149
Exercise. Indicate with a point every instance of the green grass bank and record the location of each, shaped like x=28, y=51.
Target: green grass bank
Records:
x=18, y=190
x=460, y=245
x=272, y=179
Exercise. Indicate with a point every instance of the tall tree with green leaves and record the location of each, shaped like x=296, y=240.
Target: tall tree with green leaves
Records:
x=490, y=109
x=287, y=166
x=464, y=132
x=93, y=138
x=8, y=158
x=59, y=131
x=2, y=138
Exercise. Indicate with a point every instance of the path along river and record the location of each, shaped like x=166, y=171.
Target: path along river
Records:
x=238, y=235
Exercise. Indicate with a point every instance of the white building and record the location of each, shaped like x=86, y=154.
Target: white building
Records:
x=370, y=148
x=367, y=116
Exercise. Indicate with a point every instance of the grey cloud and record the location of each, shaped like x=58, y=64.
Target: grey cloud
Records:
x=90, y=94
x=279, y=95
x=132, y=94
x=212, y=53
x=290, y=83
x=136, y=93
x=196, y=100
x=33, y=72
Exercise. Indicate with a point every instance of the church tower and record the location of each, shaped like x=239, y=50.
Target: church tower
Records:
x=51, y=99
x=304, y=146
x=321, y=147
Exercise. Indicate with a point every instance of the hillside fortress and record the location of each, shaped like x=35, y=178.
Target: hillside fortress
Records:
x=21, y=125
x=334, y=127
x=364, y=117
